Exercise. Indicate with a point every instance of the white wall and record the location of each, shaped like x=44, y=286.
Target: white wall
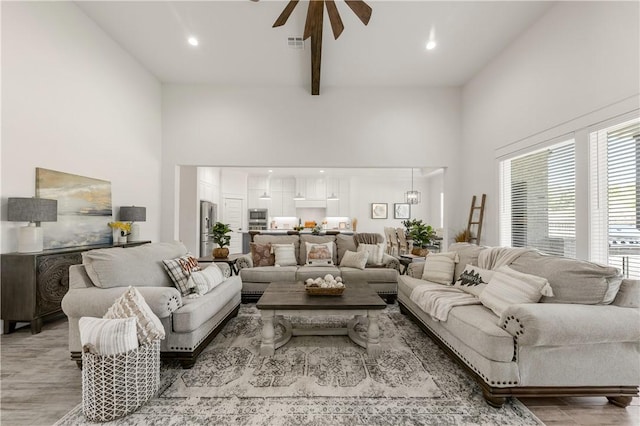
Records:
x=579, y=58
x=343, y=127
x=74, y=101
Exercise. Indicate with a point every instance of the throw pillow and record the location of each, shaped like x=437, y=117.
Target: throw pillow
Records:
x=207, y=279
x=354, y=259
x=285, y=254
x=107, y=336
x=180, y=269
x=261, y=255
x=473, y=280
x=439, y=267
x=319, y=254
x=132, y=304
x=376, y=252
x=508, y=287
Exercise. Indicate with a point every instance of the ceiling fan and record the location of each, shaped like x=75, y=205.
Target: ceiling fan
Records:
x=313, y=27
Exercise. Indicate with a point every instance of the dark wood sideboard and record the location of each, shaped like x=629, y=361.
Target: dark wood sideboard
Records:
x=33, y=284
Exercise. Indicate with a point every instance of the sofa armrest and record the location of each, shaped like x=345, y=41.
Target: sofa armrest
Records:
x=244, y=262
x=390, y=262
x=94, y=302
x=556, y=324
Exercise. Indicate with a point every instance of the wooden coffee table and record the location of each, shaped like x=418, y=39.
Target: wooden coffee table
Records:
x=359, y=301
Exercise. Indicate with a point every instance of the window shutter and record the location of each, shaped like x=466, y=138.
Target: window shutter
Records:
x=537, y=200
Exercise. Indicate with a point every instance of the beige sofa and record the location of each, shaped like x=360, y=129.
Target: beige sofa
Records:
x=190, y=323
x=383, y=278
x=583, y=341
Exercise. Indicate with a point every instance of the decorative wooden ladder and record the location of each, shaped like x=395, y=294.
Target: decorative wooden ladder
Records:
x=476, y=219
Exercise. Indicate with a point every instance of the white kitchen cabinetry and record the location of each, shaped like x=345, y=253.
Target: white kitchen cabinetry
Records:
x=340, y=188
x=282, y=193
x=256, y=186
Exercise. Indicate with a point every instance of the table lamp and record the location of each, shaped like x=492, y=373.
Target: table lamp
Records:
x=133, y=214
x=32, y=210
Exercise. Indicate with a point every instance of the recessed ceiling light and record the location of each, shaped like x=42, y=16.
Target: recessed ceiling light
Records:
x=193, y=41
x=270, y=171
x=431, y=44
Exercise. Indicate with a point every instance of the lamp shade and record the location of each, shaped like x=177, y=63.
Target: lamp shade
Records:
x=133, y=214
x=32, y=210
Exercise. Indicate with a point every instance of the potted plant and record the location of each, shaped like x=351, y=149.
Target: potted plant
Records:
x=421, y=234
x=220, y=233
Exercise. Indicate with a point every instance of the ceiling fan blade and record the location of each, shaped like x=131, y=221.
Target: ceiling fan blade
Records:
x=288, y=9
x=334, y=17
x=314, y=15
x=361, y=9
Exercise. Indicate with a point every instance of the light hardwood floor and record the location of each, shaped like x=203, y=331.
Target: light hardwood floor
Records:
x=40, y=384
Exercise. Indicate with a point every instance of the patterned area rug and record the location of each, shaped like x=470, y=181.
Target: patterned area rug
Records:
x=318, y=380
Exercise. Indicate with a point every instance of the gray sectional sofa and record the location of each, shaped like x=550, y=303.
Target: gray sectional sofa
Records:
x=584, y=341
x=190, y=323
x=383, y=278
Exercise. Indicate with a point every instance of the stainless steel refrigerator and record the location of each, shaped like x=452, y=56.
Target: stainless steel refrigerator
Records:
x=208, y=216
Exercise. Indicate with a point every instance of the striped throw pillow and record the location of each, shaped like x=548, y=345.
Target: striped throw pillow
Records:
x=206, y=280
x=285, y=254
x=439, y=267
x=508, y=287
x=132, y=304
x=108, y=336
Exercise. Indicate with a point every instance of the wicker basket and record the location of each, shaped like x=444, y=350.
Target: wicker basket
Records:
x=116, y=385
x=319, y=291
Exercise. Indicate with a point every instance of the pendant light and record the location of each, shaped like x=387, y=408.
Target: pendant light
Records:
x=412, y=197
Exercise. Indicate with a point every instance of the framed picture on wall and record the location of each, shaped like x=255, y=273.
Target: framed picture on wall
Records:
x=378, y=210
x=401, y=210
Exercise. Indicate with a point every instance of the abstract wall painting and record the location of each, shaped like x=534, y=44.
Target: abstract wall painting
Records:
x=84, y=209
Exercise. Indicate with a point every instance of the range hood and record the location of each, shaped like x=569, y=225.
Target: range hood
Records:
x=321, y=204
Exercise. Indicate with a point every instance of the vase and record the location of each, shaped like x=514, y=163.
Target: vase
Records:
x=220, y=253
x=122, y=239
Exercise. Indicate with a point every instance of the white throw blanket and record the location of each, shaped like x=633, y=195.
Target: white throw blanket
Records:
x=494, y=257
x=438, y=299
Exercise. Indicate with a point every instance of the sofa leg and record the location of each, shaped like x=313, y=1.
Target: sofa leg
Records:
x=492, y=400
x=620, y=401
x=187, y=364
x=403, y=310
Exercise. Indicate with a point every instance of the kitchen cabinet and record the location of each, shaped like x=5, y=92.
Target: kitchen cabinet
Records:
x=316, y=188
x=282, y=193
x=339, y=187
x=256, y=186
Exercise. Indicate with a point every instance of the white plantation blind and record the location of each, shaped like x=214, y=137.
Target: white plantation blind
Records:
x=537, y=200
x=615, y=198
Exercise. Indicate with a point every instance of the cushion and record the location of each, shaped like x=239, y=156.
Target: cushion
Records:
x=439, y=267
x=354, y=259
x=261, y=254
x=108, y=336
x=345, y=242
x=267, y=274
x=572, y=280
x=305, y=272
x=467, y=254
x=508, y=287
x=279, y=239
x=629, y=294
x=132, y=304
x=207, y=279
x=370, y=275
x=319, y=254
x=179, y=270
x=138, y=266
x=285, y=254
x=376, y=252
x=316, y=239
x=473, y=280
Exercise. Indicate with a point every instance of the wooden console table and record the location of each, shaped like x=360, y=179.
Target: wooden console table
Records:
x=33, y=284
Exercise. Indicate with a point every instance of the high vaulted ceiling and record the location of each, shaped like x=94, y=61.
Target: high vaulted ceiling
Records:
x=238, y=46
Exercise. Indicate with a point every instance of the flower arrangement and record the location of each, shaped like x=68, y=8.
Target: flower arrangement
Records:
x=124, y=227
